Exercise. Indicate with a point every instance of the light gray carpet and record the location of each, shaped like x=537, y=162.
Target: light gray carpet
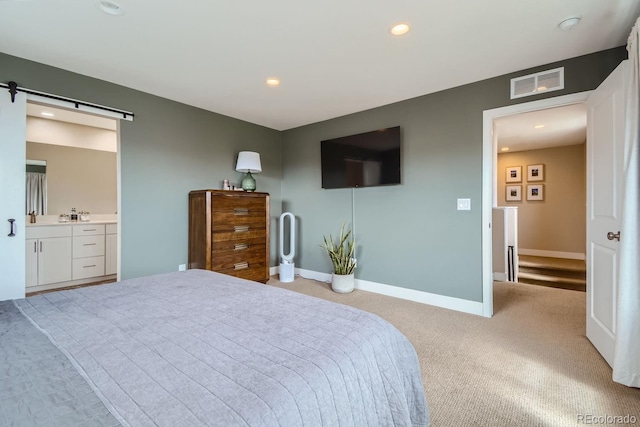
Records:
x=529, y=365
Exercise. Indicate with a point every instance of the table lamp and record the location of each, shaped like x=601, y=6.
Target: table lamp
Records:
x=248, y=162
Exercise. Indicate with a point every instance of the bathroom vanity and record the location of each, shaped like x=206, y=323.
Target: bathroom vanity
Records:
x=67, y=254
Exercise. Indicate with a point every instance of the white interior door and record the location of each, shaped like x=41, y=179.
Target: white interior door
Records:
x=605, y=143
x=13, y=122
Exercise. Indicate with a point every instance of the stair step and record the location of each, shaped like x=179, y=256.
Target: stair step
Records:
x=553, y=281
x=571, y=274
x=548, y=263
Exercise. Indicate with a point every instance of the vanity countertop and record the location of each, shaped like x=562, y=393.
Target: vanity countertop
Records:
x=42, y=220
x=43, y=223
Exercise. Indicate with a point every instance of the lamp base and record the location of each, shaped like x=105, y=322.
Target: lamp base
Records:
x=249, y=183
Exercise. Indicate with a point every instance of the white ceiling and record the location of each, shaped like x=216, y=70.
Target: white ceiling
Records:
x=334, y=57
x=553, y=127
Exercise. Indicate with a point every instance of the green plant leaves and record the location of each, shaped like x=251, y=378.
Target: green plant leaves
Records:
x=341, y=252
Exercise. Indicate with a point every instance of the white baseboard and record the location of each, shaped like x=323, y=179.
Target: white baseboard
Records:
x=552, y=254
x=273, y=270
x=500, y=277
x=457, y=304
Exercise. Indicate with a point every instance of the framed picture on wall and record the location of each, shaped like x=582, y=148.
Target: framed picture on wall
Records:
x=514, y=174
x=514, y=193
x=535, y=173
x=535, y=192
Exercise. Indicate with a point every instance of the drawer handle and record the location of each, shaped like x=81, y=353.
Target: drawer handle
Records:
x=240, y=246
x=88, y=266
x=241, y=266
x=240, y=228
x=93, y=229
x=240, y=211
x=88, y=244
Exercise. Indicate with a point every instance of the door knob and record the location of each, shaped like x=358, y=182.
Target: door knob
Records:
x=611, y=236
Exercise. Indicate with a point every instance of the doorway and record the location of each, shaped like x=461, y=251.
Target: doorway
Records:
x=12, y=173
x=490, y=182
x=541, y=174
x=77, y=184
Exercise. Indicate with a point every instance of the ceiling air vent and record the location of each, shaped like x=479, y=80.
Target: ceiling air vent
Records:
x=544, y=81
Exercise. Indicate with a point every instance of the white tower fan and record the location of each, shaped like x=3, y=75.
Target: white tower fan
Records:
x=286, y=260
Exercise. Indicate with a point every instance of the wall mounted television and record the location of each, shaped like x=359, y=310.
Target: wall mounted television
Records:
x=364, y=160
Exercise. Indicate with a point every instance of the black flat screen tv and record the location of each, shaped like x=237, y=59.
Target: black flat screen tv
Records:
x=364, y=160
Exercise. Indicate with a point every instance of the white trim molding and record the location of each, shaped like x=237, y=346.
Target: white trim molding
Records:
x=490, y=180
x=552, y=254
x=451, y=303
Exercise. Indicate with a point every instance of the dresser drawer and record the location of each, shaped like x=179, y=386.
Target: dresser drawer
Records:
x=88, y=246
x=239, y=236
x=220, y=224
x=256, y=271
x=88, y=229
x=237, y=261
x=88, y=267
x=226, y=247
x=241, y=205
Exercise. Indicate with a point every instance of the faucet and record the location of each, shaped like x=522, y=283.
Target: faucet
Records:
x=33, y=215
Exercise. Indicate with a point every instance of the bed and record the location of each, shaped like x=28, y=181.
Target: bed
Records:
x=199, y=348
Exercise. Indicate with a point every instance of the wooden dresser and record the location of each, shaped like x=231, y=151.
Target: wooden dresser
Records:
x=229, y=233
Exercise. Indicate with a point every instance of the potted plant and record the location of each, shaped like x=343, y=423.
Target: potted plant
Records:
x=341, y=255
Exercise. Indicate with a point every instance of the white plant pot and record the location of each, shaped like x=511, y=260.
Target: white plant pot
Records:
x=343, y=283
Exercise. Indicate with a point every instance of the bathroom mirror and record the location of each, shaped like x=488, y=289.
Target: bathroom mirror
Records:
x=75, y=156
x=75, y=178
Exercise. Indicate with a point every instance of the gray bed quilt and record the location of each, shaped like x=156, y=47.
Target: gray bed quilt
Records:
x=198, y=348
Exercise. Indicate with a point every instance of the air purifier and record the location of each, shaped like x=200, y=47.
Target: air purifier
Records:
x=287, y=265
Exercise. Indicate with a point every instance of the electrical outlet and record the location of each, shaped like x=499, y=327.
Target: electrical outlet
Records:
x=182, y=267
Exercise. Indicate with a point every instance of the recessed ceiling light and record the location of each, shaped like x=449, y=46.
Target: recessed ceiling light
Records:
x=569, y=23
x=538, y=126
x=504, y=149
x=400, y=29
x=273, y=82
x=111, y=8
x=47, y=114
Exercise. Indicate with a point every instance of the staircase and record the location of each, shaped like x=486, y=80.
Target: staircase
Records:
x=553, y=272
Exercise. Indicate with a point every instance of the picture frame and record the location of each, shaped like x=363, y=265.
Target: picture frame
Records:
x=535, y=192
x=535, y=172
x=514, y=174
x=514, y=193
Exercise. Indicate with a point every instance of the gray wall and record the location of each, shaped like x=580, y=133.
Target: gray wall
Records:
x=408, y=235
x=411, y=235
x=168, y=150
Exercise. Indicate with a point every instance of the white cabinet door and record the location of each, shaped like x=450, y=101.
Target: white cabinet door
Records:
x=111, y=254
x=31, y=258
x=605, y=140
x=54, y=261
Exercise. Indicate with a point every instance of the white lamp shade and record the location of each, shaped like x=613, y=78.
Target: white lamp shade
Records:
x=248, y=161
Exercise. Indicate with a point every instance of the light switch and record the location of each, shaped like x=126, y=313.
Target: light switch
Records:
x=464, y=204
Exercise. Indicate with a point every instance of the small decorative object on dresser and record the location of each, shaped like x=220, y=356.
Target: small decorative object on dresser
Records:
x=341, y=253
x=229, y=233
